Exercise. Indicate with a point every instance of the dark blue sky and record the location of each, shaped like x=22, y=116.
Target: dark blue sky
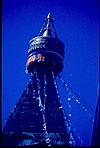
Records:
x=76, y=22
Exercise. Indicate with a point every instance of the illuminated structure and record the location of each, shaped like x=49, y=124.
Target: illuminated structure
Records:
x=39, y=118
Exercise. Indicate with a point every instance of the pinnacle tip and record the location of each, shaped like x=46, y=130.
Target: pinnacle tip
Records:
x=49, y=16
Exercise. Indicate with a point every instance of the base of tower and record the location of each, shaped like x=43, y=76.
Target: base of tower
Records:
x=35, y=139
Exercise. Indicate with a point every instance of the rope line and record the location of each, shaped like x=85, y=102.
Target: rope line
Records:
x=42, y=109
x=77, y=98
x=68, y=119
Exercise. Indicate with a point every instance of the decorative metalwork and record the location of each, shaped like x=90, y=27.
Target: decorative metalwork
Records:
x=39, y=117
x=48, y=28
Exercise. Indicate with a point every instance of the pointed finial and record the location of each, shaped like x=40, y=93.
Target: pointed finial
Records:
x=49, y=16
x=48, y=29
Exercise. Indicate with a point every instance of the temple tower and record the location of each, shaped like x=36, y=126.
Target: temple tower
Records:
x=39, y=118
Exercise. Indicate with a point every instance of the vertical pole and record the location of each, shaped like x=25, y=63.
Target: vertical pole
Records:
x=95, y=140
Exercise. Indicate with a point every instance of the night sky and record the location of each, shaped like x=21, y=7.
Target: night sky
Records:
x=76, y=23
